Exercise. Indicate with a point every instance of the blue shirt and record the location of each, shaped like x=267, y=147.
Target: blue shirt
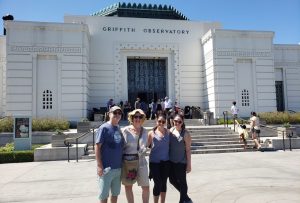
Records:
x=112, y=143
x=160, y=148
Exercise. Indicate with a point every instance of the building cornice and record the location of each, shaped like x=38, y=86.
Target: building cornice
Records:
x=244, y=53
x=39, y=49
x=243, y=33
x=46, y=26
x=284, y=64
x=286, y=47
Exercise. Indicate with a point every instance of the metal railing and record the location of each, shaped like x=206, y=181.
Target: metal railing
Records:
x=68, y=144
x=225, y=114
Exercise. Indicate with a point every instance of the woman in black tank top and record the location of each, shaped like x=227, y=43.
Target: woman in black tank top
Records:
x=180, y=157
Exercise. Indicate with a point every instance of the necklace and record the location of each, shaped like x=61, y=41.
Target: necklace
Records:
x=135, y=130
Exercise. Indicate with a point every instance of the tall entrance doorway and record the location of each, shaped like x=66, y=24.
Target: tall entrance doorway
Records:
x=146, y=79
x=279, y=95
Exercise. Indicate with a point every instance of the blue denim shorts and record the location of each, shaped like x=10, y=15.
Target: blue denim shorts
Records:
x=110, y=181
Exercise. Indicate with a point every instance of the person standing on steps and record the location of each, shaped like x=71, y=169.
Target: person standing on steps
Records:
x=234, y=110
x=255, y=129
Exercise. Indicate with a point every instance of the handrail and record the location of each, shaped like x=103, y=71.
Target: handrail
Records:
x=225, y=114
x=76, y=138
x=67, y=143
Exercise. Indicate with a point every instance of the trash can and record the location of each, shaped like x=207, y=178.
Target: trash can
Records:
x=187, y=112
x=196, y=113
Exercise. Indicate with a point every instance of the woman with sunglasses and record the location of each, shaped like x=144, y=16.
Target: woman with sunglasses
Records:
x=135, y=147
x=180, y=157
x=158, y=140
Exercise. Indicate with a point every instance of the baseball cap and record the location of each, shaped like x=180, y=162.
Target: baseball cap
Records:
x=114, y=108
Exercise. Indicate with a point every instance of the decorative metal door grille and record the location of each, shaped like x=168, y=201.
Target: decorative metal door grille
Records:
x=245, y=98
x=47, y=99
x=146, y=79
x=279, y=95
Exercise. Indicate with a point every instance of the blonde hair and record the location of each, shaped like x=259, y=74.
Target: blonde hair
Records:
x=132, y=113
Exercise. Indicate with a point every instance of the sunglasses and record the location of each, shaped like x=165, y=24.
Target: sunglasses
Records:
x=176, y=121
x=138, y=117
x=117, y=113
x=161, y=121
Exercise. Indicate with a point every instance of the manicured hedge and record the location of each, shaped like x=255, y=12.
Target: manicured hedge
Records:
x=40, y=124
x=272, y=118
x=280, y=117
x=16, y=156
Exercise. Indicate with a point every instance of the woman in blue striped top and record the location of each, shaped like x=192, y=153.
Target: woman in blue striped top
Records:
x=158, y=140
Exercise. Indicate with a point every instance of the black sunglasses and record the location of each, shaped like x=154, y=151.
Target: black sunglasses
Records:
x=140, y=117
x=117, y=113
x=176, y=121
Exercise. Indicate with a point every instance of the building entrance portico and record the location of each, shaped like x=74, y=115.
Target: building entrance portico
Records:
x=146, y=78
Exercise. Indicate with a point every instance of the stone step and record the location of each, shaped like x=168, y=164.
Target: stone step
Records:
x=90, y=147
x=226, y=146
x=212, y=133
x=199, y=139
x=90, y=151
x=219, y=142
x=227, y=150
x=233, y=136
x=210, y=129
x=205, y=139
x=89, y=156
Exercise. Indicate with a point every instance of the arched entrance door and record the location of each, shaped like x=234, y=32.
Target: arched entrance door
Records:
x=146, y=79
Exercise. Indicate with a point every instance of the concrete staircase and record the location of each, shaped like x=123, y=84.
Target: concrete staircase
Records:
x=205, y=139
x=216, y=139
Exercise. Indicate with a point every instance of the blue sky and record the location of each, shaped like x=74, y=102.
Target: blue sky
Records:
x=279, y=16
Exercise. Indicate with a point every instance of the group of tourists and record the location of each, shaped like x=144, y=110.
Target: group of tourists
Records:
x=120, y=156
x=242, y=129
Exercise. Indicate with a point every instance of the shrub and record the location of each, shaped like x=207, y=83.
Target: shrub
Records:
x=280, y=117
x=49, y=124
x=221, y=121
x=9, y=147
x=6, y=124
x=24, y=156
x=41, y=124
x=8, y=155
x=16, y=156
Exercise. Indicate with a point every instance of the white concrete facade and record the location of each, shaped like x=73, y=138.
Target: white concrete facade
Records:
x=66, y=69
x=47, y=70
x=287, y=70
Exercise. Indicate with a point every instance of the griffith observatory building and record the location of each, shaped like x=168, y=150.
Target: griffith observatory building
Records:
x=142, y=50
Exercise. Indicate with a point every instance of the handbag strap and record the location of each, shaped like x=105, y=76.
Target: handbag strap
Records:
x=138, y=141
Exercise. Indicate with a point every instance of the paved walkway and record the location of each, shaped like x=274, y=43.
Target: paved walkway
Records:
x=252, y=177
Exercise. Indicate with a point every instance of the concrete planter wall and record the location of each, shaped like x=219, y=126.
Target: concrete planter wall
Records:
x=278, y=143
x=57, y=140
x=38, y=137
x=286, y=131
x=49, y=153
x=83, y=126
